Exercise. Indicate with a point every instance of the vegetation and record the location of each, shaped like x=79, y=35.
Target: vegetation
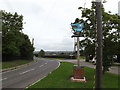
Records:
x=14, y=63
x=81, y=57
x=61, y=58
x=15, y=44
x=60, y=78
x=111, y=35
x=42, y=53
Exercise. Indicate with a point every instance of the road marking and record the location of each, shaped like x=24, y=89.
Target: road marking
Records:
x=48, y=67
x=45, y=68
x=43, y=76
x=3, y=79
x=41, y=65
x=45, y=63
x=26, y=71
x=36, y=82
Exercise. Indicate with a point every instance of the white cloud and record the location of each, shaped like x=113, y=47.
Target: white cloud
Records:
x=48, y=21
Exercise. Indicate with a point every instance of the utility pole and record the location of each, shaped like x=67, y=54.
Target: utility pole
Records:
x=74, y=45
x=78, y=52
x=99, y=45
x=32, y=41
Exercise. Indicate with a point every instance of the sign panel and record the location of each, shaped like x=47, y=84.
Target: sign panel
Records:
x=77, y=26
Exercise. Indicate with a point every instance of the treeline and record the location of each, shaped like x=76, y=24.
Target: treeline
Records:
x=111, y=36
x=15, y=44
x=44, y=54
x=60, y=56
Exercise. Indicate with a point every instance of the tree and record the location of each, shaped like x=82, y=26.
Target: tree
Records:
x=42, y=53
x=111, y=35
x=11, y=27
x=13, y=40
x=26, y=49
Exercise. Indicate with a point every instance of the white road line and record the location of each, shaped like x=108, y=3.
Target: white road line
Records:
x=41, y=65
x=35, y=82
x=26, y=71
x=3, y=79
x=45, y=68
x=43, y=76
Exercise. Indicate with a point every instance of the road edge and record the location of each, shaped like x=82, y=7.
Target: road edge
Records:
x=44, y=76
x=16, y=67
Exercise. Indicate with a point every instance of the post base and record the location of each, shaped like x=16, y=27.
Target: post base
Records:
x=78, y=80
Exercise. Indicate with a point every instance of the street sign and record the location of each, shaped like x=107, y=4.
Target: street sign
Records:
x=77, y=26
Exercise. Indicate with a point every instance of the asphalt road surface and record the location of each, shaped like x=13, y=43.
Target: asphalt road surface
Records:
x=25, y=76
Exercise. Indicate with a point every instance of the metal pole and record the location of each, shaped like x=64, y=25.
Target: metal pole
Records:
x=74, y=45
x=99, y=46
x=78, y=52
x=33, y=41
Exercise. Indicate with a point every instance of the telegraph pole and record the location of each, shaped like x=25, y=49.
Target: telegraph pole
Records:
x=32, y=41
x=78, y=52
x=99, y=45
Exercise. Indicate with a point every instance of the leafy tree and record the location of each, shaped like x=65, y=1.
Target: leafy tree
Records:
x=111, y=35
x=26, y=49
x=14, y=41
x=42, y=53
x=11, y=27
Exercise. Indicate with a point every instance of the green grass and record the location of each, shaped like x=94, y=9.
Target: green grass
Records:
x=59, y=78
x=13, y=63
x=82, y=57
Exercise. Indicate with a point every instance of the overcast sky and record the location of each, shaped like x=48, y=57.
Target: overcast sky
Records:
x=48, y=21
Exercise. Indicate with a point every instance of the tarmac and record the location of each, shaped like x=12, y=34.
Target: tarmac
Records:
x=113, y=69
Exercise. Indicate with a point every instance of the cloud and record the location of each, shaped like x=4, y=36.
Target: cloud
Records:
x=48, y=21
x=66, y=45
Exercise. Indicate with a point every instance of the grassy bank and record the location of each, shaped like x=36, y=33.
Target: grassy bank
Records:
x=60, y=78
x=9, y=64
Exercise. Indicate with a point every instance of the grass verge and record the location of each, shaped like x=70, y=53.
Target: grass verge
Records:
x=13, y=63
x=60, y=78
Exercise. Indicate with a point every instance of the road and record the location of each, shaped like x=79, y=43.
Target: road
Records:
x=25, y=76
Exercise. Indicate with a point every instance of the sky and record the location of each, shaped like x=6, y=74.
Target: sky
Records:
x=48, y=21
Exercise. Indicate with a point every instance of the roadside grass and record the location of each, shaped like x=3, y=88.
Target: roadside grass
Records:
x=13, y=63
x=60, y=78
x=82, y=57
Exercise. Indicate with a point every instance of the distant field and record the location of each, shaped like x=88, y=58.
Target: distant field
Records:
x=60, y=58
x=9, y=64
x=81, y=57
x=60, y=78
